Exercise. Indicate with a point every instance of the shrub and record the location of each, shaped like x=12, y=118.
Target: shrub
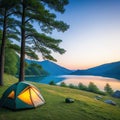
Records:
x=52, y=83
x=62, y=84
x=73, y=86
x=101, y=92
x=82, y=87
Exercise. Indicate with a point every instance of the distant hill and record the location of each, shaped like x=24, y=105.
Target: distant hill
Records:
x=111, y=70
x=51, y=67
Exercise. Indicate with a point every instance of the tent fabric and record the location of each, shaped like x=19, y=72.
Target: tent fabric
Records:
x=22, y=95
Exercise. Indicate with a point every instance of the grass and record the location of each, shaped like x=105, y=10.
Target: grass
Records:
x=85, y=106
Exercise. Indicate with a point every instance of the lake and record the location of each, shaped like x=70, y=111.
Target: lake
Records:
x=100, y=82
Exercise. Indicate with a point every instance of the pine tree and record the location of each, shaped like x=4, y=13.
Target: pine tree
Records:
x=39, y=11
x=108, y=89
x=92, y=87
x=31, y=11
x=82, y=87
x=5, y=25
x=9, y=30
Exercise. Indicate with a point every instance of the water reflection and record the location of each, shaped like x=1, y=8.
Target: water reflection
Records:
x=100, y=82
x=45, y=80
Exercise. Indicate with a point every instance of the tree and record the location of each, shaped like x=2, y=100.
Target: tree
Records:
x=72, y=86
x=11, y=57
x=52, y=82
x=32, y=11
x=3, y=45
x=108, y=89
x=38, y=11
x=10, y=62
x=62, y=84
x=82, y=87
x=92, y=87
x=34, y=69
x=5, y=13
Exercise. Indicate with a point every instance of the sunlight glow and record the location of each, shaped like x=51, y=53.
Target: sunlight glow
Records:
x=93, y=37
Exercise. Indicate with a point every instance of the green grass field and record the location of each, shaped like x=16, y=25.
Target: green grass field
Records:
x=85, y=107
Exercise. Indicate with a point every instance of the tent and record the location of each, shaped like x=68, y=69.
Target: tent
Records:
x=22, y=95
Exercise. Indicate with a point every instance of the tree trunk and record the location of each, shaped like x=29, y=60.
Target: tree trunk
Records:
x=22, y=58
x=2, y=52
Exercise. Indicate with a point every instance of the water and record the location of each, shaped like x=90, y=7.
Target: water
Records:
x=100, y=82
x=46, y=80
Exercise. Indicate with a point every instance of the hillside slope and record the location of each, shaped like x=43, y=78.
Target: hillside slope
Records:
x=52, y=68
x=111, y=70
x=85, y=106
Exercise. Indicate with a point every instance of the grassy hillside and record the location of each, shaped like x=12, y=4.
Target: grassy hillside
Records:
x=85, y=106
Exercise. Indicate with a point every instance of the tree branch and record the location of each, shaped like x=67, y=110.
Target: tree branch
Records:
x=28, y=20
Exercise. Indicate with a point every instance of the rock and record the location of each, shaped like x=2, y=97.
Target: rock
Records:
x=69, y=100
x=98, y=97
x=110, y=102
x=116, y=94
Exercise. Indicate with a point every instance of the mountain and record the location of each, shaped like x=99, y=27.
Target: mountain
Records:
x=51, y=67
x=111, y=70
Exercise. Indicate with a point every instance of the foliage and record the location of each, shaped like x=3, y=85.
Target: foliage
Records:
x=10, y=66
x=92, y=87
x=42, y=43
x=72, y=86
x=37, y=11
x=28, y=12
x=10, y=62
x=35, y=69
x=52, y=82
x=7, y=22
x=101, y=92
x=8, y=28
x=108, y=89
x=62, y=84
x=82, y=87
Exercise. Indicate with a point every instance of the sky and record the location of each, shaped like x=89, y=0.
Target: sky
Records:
x=94, y=34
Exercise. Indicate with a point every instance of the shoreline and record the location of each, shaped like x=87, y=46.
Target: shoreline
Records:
x=31, y=76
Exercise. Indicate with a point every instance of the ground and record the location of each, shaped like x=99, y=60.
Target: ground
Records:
x=85, y=107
